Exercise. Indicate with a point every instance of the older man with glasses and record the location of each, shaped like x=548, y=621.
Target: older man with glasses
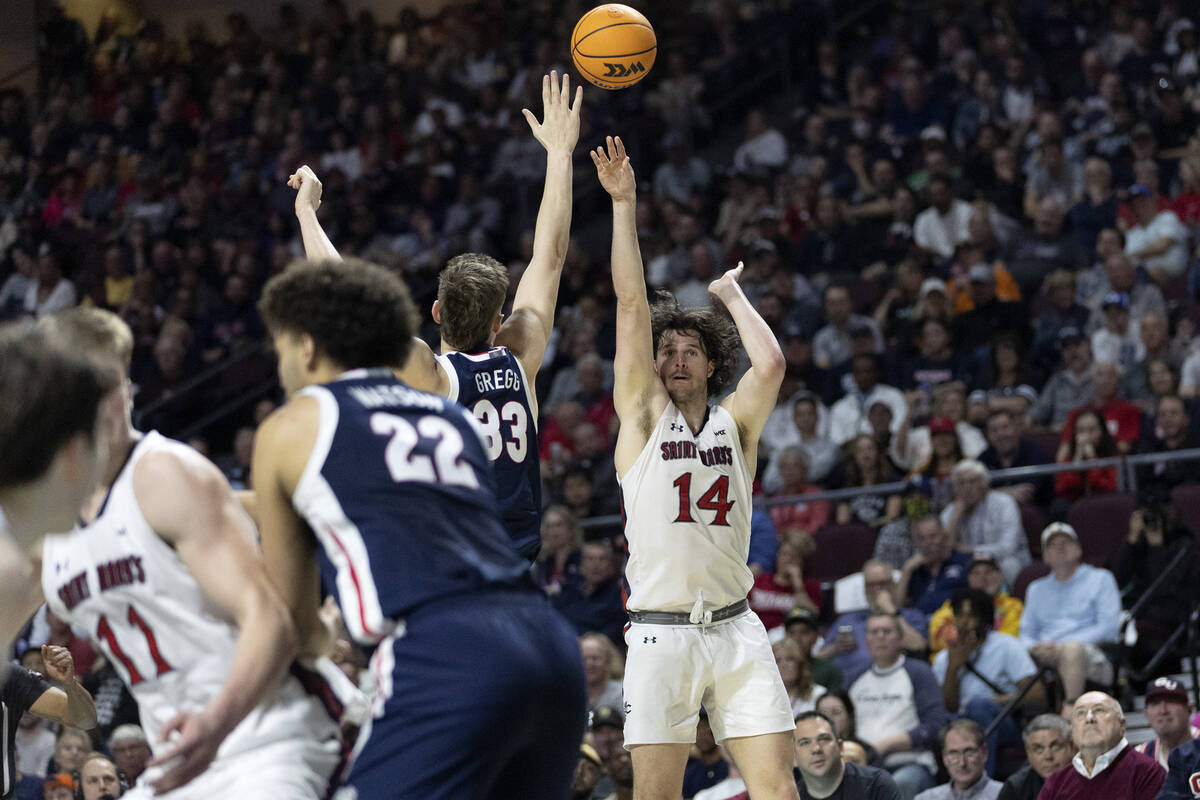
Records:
x=1106, y=764
x=964, y=752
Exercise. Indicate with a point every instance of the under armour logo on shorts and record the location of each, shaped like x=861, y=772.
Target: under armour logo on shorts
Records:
x=649, y=639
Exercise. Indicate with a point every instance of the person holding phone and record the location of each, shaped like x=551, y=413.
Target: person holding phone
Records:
x=982, y=671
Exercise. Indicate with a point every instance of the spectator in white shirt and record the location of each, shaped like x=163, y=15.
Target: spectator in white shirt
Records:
x=848, y=416
x=1158, y=240
x=1189, y=376
x=764, y=147
x=1119, y=340
x=831, y=345
x=52, y=292
x=943, y=226
x=984, y=520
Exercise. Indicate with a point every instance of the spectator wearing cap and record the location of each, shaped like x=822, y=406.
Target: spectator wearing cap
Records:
x=1157, y=240
x=588, y=772
x=1169, y=712
x=801, y=422
x=1069, y=388
x=1033, y=254
x=683, y=174
x=1007, y=450
x=1174, y=122
x=1070, y=613
x=607, y=726
x=800, y=625
x=935, y=571
x=706, y=765
x=775, y=593
x=943, y=226
x=983, y=670
x=849, y=416
x=984, y=520
x=1060, y=310
x=1106, y=764
x=974, y=329
x=898, y=706
x=59, y=786
x=913, y=449
x=1048, y=749
x=1122, y=419
x=831, y=345
x=1117, y=340
x=1144, y=297
x=984, y=575
x=130, y=751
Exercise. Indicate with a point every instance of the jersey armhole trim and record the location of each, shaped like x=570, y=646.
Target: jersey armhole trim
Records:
x=443, y=361
x=533, y=406
x=327, y=422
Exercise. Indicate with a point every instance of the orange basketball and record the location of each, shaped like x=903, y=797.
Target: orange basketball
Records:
x=613, y=46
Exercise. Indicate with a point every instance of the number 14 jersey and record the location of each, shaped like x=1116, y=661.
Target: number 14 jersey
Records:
x=687, y=504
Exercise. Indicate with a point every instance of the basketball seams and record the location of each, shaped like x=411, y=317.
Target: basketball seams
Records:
x=590, y=34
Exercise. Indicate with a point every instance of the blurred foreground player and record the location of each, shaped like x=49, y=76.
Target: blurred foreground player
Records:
x=53, y=448
x=685, y=472
x=385, y=495
x=165, y=575
x=488, y=363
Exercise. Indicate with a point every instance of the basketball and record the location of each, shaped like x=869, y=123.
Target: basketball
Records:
x=613, y=46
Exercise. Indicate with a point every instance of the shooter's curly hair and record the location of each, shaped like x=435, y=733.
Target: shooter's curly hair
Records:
x=718, y=336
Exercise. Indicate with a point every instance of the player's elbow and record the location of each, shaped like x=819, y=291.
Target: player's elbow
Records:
x=772, y=365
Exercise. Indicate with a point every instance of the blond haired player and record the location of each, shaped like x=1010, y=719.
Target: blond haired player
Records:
x=685, y=474
x=166, y=576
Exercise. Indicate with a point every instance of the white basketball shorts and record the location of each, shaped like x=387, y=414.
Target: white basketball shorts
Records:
x=728, y=667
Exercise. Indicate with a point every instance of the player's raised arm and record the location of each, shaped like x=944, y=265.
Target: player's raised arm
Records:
x=214, y=539
x=317, y=246
x=527, y=330
x=751, y=403
x=636, y=383
x=281, y=448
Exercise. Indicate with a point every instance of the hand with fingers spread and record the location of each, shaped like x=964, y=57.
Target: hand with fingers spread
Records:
x=614, y=170
x=308, y=189
x=726, y=288
x=59, y=664
x=559, y=128
x=197, y=737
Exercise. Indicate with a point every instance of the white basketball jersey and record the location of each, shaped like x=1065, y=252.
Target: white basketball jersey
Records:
x=687, y=516
x=119, y=580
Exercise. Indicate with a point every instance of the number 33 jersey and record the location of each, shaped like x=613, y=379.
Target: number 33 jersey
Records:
x=492, y=386
x=687, y=509
x=139, y=603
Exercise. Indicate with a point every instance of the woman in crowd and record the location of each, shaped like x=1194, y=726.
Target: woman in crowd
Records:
x=558, y=560
x=1091, y=440
x=796, y=671
x=776, y=593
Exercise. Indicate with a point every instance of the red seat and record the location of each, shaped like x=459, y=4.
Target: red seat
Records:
x=1028, y=575
x=1186, y=500
x=1102, y=521
x=841, y=551
x=1033, y=520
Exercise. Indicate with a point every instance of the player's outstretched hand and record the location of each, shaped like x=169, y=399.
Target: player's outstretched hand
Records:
x=614, y=170
x=59, y=664
x=193, y=749
x=726, y=287
x=308, y=188
x=559, y=129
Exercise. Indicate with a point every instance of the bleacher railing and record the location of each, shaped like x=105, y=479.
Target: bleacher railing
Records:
x=1125, y=466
